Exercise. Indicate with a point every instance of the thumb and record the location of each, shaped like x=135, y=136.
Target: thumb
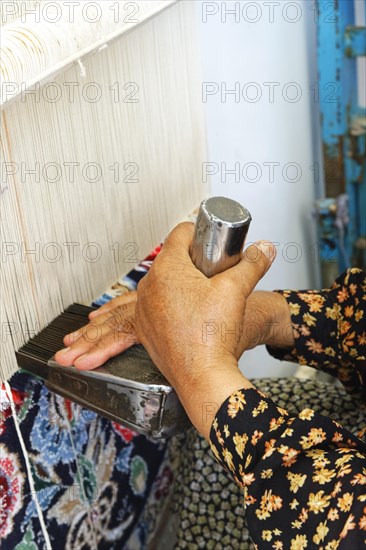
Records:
x=254, y=264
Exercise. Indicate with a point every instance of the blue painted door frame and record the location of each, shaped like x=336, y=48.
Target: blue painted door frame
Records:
x=343, y=126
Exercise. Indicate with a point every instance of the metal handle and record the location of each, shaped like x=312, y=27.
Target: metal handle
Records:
x=220, y=232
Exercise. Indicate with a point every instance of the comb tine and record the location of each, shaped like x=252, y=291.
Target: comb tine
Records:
x=50, y=339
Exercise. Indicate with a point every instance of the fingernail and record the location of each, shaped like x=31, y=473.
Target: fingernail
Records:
x=267, y=248
x=65, y=350
x=79, y=358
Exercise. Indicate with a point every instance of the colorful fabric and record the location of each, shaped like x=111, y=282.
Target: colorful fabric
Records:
x=98, y=484
x=303, y=476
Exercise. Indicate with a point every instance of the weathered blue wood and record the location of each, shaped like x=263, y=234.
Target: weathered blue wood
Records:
x=355, y=41
x=339, y=43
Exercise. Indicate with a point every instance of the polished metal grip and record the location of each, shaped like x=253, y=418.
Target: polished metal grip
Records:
x=220, y=231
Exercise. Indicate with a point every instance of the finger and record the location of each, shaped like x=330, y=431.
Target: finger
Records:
x=94, y=334
x=254, y=264
x=103, y=350
x=118, y=313
x=178, y=242
x=119, y=300
x=108, y=345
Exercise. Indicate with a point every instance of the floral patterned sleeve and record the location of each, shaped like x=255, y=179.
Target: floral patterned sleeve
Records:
x=329, y=330
x=303, y=476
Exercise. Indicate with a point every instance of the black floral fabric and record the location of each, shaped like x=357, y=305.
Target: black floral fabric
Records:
x=303, y=476
x=329, y=327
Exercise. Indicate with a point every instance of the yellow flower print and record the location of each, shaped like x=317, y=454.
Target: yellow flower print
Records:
x=215, y=452
x=269, y=503
x=345, y=502
x=320, y=462
x=228, y=457
x=330, y=351
x=344, y=470
x=348, y=311
x=277, y=545
x=359, y=315
x=314, y=346
x=348, y=341
x=296, y=481
x=219, y=437
x=342, y=295
x=306, y=414
x=287, y=432
x=262, y=406
x=359, y=479
x=248, y=461
x=269, y=447
x=275, y=423
x=321, y=532
x=333, y=312
x=262, y=514
x=315, y=453
x=240, y=442
x=361, y=338
x=267, y=474
x=304, y=330
x=349, y=526
x=318, y=502
x=333, y=514
x=344, y=326
x=247, y=479
x=323, y=476
x=337, y=437
x=314, y=437
x=290, y=457
x=267, y=535
x=337, y=489
x=294, y=504
x=316, y=302
x=362, y=522
x=294, y=308
x=256, y=437
x=304, y=515
x=310, y=320
x=353, y=289
x=343, y=459
x=332, y=545
x=226, y=431
x=296, y=524
x=299, y=543
x=236, y=403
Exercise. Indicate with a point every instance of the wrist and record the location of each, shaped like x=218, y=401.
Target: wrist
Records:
x=204, y=391
x=273, y=311
x=280, y=331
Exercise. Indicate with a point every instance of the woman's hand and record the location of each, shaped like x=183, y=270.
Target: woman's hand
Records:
x=191, y=325
x=111, y=330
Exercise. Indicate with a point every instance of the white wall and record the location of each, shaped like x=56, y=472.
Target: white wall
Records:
x=270, y=49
